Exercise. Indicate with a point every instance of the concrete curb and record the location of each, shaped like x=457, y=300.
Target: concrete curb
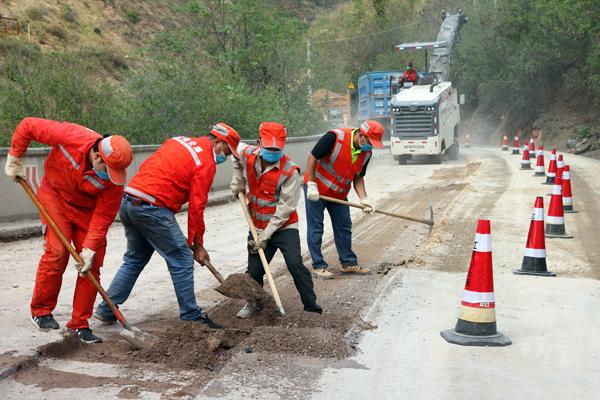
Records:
x=33, y=228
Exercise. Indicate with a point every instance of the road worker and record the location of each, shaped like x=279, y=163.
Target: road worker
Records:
x=82, y=188
x=180, y=171
x=410, y=75
x=338, y=161
x=274, y=182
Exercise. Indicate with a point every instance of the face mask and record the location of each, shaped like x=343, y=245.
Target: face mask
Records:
x=271, y=155
x=220, y=157
x=366, y=147
x=101, y=174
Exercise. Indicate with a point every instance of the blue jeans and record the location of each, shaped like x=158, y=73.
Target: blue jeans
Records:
x=342, y=231
x=149, y=228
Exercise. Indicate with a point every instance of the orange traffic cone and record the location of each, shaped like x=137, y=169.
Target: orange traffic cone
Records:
x=505, y=143
x=555, y=223
x=467, y=140
x=532, y=148
x=516, y=145
x=539, y=165
x=476, y=325
x=525, y=161
x=567, y=193
x=534, y=260
x=551, y=174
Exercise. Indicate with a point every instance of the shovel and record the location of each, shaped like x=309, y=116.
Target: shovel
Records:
x=261, y=254
x=135, y=336
x=393, y=214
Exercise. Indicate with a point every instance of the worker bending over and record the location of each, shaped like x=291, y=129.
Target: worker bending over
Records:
x=82, y=188
x=180, y=171
x=273, y=192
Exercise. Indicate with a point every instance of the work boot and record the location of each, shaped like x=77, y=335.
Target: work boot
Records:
x=322, y=273
x=246, y=311
x=316, y=309
x=45, y=322
x=354, y=269
x=85, y=335
x=207, y=321
x=109, y=320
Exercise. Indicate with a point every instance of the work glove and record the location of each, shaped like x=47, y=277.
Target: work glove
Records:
x=254, y=246
x=368, y=207
x=14, y=166
x=312, y=191
x=238, y=187
x=87, y=256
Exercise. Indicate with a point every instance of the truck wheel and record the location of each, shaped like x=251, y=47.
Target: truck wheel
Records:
x=436, y=159
x=403, y=159
x=453, y=151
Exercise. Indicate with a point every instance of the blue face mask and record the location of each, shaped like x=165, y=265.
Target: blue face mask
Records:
x=220, y=158
x=101, y=174
x=271, y=156
x=366, y=147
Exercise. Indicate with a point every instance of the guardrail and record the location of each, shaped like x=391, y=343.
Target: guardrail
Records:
x=14, y=204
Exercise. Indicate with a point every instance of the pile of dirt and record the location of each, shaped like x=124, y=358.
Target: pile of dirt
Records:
x=190, y=345
x=242, y=286
x=314, y=342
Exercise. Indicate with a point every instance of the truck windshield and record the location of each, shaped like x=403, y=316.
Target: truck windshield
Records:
x=413, y=121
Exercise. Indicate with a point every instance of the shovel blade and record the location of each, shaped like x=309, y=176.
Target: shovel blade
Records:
x=138, y=338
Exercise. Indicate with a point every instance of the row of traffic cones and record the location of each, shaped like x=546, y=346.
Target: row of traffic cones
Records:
x=476, y=324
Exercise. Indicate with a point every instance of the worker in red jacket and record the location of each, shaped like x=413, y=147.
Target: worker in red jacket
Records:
x=180, y=171
x=273, y=192
x=81, y=190
x=410, y=75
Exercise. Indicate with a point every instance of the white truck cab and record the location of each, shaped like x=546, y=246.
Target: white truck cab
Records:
x=424, y=121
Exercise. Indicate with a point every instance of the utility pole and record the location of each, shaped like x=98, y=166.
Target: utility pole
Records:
x=308, y=71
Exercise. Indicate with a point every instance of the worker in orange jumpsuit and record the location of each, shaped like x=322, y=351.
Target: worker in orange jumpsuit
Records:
x=180, y=171
x=81, y=190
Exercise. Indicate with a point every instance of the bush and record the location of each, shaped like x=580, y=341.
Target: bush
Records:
x=132, y=16
x=67, y=13
x=57, y=32
x=36, y=13
x=583, y=132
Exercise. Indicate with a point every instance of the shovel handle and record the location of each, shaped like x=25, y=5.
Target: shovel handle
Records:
x=392, y=214
x=71, y=250
x=261, y=253
x=214, y=271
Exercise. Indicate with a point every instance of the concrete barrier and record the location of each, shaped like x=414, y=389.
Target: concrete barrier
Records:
x=15, y=205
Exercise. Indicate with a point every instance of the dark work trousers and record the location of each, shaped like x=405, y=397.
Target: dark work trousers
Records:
x=288, y=241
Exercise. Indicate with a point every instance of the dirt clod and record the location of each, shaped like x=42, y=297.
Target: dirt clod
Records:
x=242, y=286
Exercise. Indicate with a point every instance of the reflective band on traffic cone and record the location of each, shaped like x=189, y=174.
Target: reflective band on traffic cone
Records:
x=525, y=162
x=539, y=169
x=467, y=140
x=476, y=325
x=555, y=223
x=505, y=143
x=567, y=194
x=516, y=145
x=532, y=148
x=551, y=174
x=534, y=259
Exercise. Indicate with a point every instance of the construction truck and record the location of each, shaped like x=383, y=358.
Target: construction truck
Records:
x=424, y=117
x=374, y=97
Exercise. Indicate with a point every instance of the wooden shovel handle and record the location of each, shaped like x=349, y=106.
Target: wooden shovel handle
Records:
x=261, y=253
x=393, y=214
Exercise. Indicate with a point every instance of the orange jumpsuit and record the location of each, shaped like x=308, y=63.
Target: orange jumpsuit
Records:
x=82, y=205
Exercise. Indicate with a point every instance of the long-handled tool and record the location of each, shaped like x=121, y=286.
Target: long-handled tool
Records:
x=261, y=253
x=214, y=271
x=135, y=336
x=393, y=214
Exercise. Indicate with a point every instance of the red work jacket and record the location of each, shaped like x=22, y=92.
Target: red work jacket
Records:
x=181, y=170
x=409, y=76
x=335, y=172
x=67, y=170
x=263, y=191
